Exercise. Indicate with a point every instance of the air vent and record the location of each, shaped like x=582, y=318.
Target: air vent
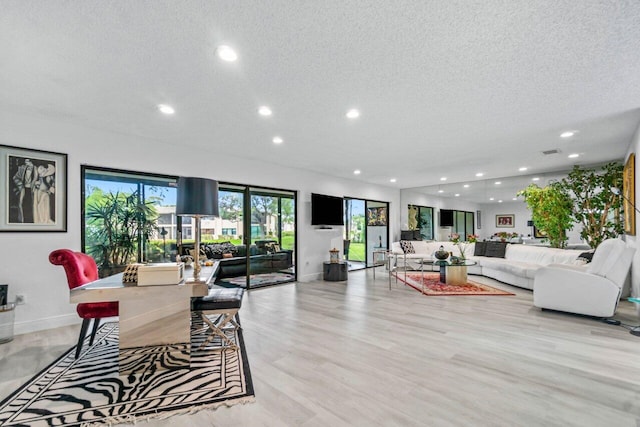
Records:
x=549, y=152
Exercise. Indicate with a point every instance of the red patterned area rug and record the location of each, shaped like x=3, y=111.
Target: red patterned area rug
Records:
x=430, y=284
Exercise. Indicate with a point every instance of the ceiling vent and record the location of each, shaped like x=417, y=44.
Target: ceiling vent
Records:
x=549, y=152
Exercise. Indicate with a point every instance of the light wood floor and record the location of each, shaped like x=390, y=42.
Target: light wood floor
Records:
x=357, y=354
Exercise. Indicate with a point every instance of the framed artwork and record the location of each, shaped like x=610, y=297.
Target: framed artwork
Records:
x=505, y=221
x=539, y=234
x=629, y=195
x=33, y=190
x=377, y=216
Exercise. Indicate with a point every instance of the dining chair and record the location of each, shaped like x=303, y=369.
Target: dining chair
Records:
x=81, y=269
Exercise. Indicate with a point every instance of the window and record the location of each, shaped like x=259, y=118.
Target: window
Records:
x=124, y=215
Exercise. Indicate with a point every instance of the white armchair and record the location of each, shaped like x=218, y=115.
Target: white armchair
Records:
x=593, y=289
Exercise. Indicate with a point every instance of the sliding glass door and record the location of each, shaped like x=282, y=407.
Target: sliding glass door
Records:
x=366, y=230
x=272, y=237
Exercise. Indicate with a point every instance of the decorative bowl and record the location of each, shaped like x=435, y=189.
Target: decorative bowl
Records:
x=441, y=255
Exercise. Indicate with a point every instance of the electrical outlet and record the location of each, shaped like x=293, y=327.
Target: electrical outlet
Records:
x=21, y=299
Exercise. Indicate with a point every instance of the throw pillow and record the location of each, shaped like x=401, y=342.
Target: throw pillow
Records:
x=480, y=249
x=586, y=256
x=227, y=255
x=496, y=249
x=407, y=247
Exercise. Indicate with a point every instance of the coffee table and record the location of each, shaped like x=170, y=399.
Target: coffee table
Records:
x=454, y=273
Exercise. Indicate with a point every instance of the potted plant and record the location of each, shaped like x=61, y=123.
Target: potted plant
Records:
x=551, y=209
x=117, y=225
x=595, y=205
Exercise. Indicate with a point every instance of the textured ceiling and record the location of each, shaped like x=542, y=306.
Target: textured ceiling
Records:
x=446, y=88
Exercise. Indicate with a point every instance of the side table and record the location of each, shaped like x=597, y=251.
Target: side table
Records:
x=335, y=271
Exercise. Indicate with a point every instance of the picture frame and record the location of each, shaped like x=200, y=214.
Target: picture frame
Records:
x=33, y=190
x=376, y=216
x=505, y=221
x=629, y=195
x=539, y=234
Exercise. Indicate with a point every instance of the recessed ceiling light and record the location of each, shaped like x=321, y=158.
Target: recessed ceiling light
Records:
x=515, y=198
x=356, y=172
x=535, y=179
x=392, y=180
x=499, y=201
x=573, y=155
x=457, y=195
x=567, y=134
x=264, y=111
x=522, y=169
x=491, y=198
x=226, y=53
x=498, y=182
x=277, y=140
x=353, y=113
x=440, y=191
x=166, y=109
x=466, y=186
x=479, y=174
x=444, y=178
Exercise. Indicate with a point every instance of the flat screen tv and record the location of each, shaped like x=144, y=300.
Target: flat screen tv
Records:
x=327, y=210
x=446, y=218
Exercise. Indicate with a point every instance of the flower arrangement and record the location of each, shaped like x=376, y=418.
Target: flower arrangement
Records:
x=462, y=245
x=503, y=235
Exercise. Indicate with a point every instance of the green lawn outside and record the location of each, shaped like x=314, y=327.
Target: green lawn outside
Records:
x=356, y=252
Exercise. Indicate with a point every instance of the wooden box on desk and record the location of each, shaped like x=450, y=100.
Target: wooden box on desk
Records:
x=170, y=273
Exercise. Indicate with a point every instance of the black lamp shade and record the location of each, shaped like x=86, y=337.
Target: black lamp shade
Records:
x=197, y=196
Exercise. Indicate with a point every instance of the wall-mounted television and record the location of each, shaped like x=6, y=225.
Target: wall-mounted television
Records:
x=327, y=210
x=446, y=218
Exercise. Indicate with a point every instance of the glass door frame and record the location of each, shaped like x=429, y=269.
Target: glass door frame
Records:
x=247, y=191
x=366, y=227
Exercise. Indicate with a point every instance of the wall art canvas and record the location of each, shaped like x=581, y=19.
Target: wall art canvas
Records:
x=33, y=190
x=629, y=192
x=377, y=216
x=505, y=221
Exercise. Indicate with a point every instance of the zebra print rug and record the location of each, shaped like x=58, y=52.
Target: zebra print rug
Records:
x=89, y=391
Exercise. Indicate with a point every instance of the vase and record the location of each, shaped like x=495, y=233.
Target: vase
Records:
x=441, y=254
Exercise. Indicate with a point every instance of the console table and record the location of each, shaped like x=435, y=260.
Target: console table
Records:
x=335, y=271
x=154, y=321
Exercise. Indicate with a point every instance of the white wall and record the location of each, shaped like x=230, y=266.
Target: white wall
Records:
x=522, y=215
x=24, y=256
x=518, y=208
x=488, y=212
x=634, y=147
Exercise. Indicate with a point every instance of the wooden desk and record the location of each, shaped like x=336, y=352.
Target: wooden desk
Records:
x=155, y=321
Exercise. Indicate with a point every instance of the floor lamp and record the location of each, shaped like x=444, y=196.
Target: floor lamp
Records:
x=197, y=197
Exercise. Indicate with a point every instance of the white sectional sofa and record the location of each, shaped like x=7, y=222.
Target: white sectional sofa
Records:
x=518, y=267
x=593, y=289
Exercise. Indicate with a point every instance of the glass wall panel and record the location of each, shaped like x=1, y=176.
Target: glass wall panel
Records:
x=377, y=228
x=355, y=233
x=421, y=218
x=127, y=217
x=272, y=237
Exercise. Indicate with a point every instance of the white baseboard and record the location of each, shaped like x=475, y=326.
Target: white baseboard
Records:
x=20, y=328
x=310, y=277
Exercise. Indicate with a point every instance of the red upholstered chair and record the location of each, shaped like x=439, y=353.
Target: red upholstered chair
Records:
x=82, y=269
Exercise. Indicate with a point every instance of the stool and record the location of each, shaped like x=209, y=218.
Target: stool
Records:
x=224, y=303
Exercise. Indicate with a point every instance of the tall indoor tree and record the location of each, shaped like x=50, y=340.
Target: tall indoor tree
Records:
x=551, y=209
x=595, y=205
